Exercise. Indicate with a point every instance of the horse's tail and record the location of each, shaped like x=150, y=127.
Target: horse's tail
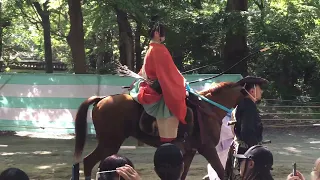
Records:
x=81, y=125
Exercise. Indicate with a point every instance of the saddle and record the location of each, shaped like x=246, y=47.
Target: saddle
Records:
x=148, y=124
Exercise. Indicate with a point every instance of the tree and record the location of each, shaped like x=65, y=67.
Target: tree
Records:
x=44, y=14
x=75, y=37
x=125, y=39
x=44, y=21
x=236, y=38
x=4, y=22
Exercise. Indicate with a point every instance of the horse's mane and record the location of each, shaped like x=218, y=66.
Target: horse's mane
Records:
x=216, y=88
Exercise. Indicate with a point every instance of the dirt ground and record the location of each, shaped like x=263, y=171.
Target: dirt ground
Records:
x=48, y=158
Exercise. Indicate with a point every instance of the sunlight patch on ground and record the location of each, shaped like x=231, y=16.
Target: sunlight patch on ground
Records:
x=44, y=135
x=13, y=153
x=314, y=148
x=292, y=149
x=128, y=147
x=61, y=164
x=25, y=153
x=284, y=153
x=42, y=152
x=44, y=167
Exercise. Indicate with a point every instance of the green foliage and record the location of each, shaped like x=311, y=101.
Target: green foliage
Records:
x=195, y=33
x=293, y=65
x=23, y=39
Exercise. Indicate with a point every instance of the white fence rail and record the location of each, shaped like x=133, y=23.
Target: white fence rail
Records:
x=280, y=115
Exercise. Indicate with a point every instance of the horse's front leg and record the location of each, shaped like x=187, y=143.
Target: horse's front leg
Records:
x=210, y=153
x=187, y=159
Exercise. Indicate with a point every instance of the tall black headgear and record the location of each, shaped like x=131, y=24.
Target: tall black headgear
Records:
x=156, y=26
x=252, y=80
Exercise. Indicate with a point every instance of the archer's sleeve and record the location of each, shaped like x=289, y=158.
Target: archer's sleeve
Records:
x=248, y=117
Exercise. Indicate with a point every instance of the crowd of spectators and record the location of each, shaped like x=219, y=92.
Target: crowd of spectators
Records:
x=255, y=164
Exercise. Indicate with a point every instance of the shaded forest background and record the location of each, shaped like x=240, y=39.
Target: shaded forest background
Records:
x=94, y=36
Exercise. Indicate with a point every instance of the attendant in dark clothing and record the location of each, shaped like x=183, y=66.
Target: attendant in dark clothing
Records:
x=248, y=127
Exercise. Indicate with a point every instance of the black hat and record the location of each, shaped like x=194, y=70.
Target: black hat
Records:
x=168, y=155
x=252, y=80
x=261, y=156
x=14, y=174
x=156, y=25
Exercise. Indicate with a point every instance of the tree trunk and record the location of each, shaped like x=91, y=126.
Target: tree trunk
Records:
x=75, y=37
x=197, y=4
x=125, y=39
x=138, y=48
x=4, y=23
x=108, y=56
x=236, y=37
x=45, y=18
x=1, y=31
x=47, y=42
x=178, y=59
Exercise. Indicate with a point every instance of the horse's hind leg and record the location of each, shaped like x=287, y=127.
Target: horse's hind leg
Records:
x=98, y=154
x=91, y=160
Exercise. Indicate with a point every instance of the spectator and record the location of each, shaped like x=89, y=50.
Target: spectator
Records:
x=299, y=176
x=256, y=163
x=315, y=173
x=13, y=174
x=168, y=162
x=117, y=167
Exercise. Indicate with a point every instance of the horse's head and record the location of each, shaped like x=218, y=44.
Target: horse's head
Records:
x=227, y=94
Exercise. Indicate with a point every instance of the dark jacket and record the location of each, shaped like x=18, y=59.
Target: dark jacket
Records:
x=259, y=176
x=248, y=127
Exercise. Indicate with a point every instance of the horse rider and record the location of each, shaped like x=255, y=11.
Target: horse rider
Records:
x=248, y=127
x=162, y=92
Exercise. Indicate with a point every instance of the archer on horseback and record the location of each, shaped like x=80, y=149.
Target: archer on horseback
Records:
x=162, y=92
x=248, y=127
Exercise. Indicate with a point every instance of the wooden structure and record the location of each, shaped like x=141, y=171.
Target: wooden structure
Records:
x=33, y=65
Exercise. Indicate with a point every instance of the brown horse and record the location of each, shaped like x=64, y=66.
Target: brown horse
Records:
x=117, y=117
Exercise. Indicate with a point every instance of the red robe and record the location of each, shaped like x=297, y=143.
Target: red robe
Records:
x=159, y=65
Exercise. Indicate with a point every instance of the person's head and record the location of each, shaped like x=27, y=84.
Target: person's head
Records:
x=157, y=30
x=256, y=162
x=111, y=163
x=315, y=173
x=252, y=87
x=168, y=162
x=13, y=174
